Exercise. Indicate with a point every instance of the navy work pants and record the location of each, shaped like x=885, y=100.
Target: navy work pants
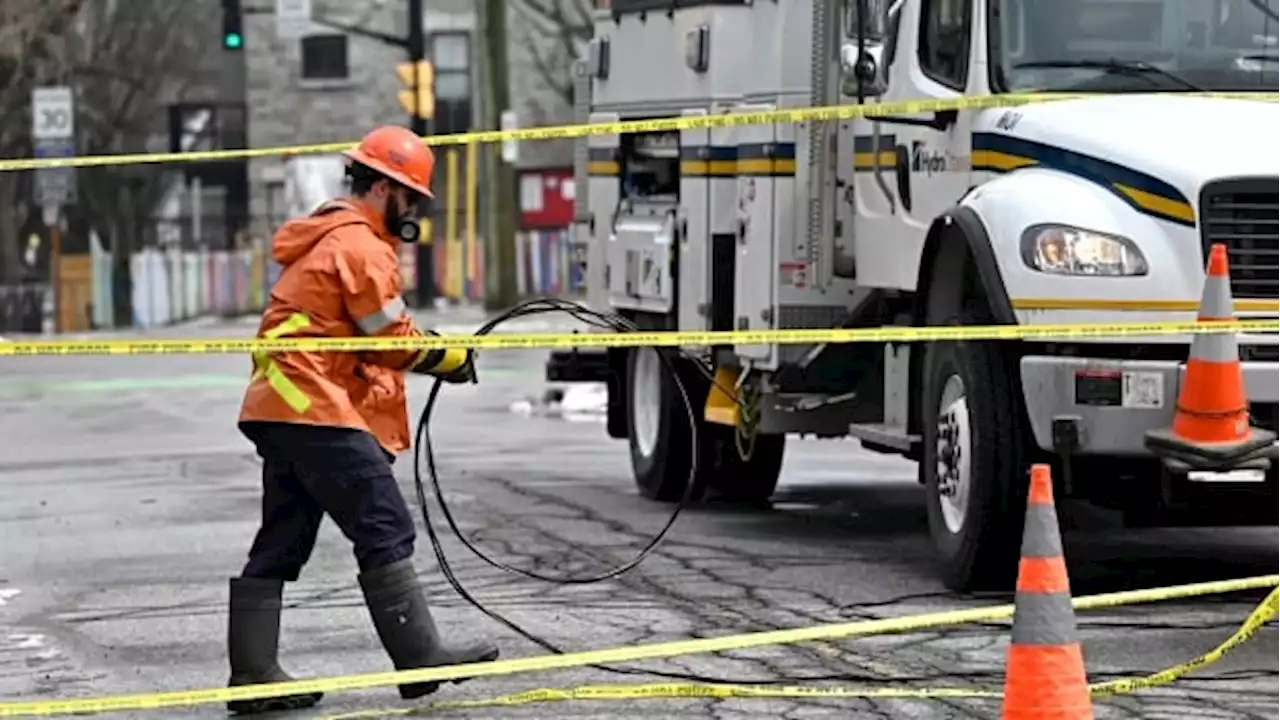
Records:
x=309, y=471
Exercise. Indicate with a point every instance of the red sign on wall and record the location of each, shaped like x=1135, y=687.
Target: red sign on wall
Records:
x=546, y=199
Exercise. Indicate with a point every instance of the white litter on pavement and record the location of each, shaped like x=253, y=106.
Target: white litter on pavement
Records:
x=585, y=397
x=580, y=402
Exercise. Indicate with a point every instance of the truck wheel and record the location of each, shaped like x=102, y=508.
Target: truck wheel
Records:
x=974, y=460
x=658, y=431
x=750, y=482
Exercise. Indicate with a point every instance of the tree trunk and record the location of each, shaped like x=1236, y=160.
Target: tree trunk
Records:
x=10, y=232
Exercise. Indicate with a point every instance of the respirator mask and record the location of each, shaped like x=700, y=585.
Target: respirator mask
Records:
x=405, y=210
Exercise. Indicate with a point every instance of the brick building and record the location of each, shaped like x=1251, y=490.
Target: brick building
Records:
x=332, y=86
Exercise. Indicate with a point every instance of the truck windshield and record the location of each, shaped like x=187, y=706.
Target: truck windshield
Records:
x=1134, y=45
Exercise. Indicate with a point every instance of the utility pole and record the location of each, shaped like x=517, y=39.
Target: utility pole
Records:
x=500, y=248
x=417, y=46
x=417, y=42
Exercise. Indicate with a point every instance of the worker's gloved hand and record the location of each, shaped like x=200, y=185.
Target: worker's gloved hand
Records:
x=452, y=365
x=464, y=374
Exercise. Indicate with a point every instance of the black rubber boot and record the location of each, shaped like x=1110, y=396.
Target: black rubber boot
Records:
x=400, y=613
x=253, y=635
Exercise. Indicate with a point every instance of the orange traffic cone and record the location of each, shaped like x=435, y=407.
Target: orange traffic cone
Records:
x=1044, y=677
x=1211, y=422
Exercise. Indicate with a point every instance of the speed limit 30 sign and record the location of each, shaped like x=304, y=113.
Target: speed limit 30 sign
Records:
x=52, y=113
x=53, y=135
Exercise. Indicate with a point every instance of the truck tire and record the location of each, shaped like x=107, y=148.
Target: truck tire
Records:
x=975, y=453
x=658, y=431
x=749, y=482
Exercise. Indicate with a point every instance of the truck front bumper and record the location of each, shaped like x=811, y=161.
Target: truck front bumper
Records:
x=1114, y=403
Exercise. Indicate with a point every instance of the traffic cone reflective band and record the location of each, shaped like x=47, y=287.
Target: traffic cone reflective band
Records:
x=1211, y=403
x=1211, y=421
x=1044, y=674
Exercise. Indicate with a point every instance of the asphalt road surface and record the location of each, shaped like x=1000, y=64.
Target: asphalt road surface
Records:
x=127, y=498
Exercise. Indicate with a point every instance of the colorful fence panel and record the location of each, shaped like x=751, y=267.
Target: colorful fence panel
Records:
x=549, y=262
x=172, y=285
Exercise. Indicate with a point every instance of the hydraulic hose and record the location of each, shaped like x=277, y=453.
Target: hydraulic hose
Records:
x=425, y=452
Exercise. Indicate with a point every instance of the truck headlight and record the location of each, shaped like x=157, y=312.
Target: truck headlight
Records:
x=1066, y=250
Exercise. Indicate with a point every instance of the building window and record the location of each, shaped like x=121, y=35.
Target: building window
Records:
x=324, y=57
x=451, y=56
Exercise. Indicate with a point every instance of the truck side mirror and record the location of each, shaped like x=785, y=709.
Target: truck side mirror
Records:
x=862, y=74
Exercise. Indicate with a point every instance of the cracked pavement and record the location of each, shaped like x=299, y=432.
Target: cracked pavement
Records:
x=127, y=498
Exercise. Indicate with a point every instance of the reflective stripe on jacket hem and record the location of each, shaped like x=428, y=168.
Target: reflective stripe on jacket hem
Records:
x=265, y=367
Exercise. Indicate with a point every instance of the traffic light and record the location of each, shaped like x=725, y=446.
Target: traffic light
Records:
x=423, y=104
x=232, y=29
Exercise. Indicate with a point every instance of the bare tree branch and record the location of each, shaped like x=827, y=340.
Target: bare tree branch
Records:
x=361, y=25
x=126, y=60
x=556, y=32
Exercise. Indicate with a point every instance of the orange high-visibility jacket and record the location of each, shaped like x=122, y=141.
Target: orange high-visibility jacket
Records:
x=340, y=278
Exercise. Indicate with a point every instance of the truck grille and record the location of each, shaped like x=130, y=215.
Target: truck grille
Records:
x=1241, y=213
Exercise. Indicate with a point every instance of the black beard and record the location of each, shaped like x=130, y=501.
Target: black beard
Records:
x=400, y=224
x=393, y=217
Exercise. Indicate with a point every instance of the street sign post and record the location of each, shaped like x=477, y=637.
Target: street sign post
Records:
x=293, y=19
x=53, y=132
x=510, y=148
x=55, y=186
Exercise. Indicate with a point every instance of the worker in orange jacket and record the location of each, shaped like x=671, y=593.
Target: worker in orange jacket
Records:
x=329, y=424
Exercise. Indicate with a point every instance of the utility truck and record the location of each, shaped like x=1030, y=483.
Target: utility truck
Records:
x=1096, y=209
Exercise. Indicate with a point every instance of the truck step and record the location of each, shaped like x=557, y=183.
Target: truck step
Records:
x=885, y=438
x=579, y=365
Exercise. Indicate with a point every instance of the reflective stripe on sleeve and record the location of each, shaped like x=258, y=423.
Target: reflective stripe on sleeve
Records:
x=378, y=319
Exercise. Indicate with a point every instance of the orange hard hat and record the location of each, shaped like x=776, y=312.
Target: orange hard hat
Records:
x=399, y=154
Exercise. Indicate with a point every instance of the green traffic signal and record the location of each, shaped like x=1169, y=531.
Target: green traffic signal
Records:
x=232, y=40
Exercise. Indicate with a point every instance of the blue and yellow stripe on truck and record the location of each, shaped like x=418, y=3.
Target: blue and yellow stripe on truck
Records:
x=993, y=152
x=765, y=160
x=603, y=162
x=711, y=160
x=868, y=149
x=751, y=160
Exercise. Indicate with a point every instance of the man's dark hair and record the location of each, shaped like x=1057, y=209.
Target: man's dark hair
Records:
x=363, y=178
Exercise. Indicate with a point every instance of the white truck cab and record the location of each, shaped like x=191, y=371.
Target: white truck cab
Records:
x=1091, y=210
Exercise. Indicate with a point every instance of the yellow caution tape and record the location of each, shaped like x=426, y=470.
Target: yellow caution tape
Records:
x=601, y=693
x=610, y=656
x=1262, y=614
x=535, y=341
x=555, y=132
x=1265, y=611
